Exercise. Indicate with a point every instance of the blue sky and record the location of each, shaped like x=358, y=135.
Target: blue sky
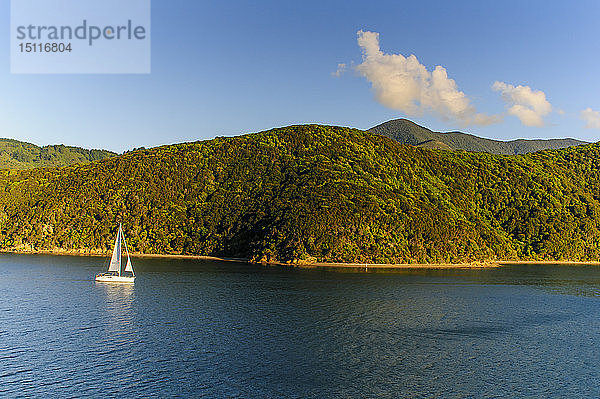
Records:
x=226, y=68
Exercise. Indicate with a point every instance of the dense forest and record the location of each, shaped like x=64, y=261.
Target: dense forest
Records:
x=408, y=132
x=311, y=192
x=16, y=154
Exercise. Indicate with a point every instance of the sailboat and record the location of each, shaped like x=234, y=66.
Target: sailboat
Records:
x=114, y=274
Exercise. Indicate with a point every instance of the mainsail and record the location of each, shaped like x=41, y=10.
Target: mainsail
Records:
x=115, y=261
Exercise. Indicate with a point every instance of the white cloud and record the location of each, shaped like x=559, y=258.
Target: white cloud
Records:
x=404, y=84
x=530, y=106
x=591, y=118
x=341, y=68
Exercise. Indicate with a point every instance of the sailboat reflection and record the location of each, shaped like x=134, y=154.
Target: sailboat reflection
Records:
x=119, y=300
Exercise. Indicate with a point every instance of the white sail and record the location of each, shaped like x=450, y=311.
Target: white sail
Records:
x=115, y=261
x=129, y=267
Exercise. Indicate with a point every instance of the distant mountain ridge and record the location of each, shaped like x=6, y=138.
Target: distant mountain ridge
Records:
x=15, y=154
x=408, y=132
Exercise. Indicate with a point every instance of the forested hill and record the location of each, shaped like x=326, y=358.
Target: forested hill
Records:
x=314, y=193
x=16, y=154
x=408, y=132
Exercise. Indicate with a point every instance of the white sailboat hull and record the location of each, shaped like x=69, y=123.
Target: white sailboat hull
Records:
x=115, y=279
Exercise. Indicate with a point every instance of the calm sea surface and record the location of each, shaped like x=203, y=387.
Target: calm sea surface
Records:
x=220, y=330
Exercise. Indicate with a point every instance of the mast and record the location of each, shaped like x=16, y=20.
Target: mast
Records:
x=120, y=238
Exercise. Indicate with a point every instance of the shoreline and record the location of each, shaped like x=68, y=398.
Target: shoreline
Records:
x=548, y=262
x=133, y=255
x=298, y=265
x=391, y=266
x=318, y=265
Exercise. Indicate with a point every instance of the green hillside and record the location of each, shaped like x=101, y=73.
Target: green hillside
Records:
x=16, y=154
x=314, y=193
x=407, y=132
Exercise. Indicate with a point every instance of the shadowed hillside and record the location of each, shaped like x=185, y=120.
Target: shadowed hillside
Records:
x=407, y=132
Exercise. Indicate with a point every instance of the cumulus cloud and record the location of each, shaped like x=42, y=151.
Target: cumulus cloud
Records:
x=404, y=84
x=591, y=118
x=530, y=106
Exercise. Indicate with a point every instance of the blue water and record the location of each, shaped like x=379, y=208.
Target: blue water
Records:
x=220, y=330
